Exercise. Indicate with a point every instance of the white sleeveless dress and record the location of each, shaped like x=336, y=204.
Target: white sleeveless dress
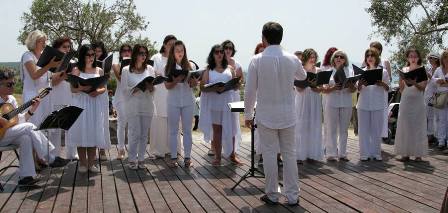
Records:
x=410, y=138
x=214, y=109
x=89, y=130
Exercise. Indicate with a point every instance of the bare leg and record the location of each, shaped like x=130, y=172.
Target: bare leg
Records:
x=216, y=143
x=82, y=156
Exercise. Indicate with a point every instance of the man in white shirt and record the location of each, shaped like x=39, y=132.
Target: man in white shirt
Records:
x=24, y=135
x=270, y=83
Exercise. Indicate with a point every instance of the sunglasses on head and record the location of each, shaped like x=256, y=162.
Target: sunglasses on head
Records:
x=219, y=52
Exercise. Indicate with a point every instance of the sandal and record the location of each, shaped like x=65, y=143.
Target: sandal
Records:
x=188, y=163
x=235, y=160
x=211, y=152
x=418, y=159
x=121, y=154
x=216, y=162
x=133, y=165
x=173, y=163
x=404, y=159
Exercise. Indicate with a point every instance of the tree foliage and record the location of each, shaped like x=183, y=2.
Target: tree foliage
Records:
x=422, y=24
x=87, y=21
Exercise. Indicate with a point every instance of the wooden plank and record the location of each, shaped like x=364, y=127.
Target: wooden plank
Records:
x=80, y=192
x=94, y=191
x=141, y=201
x=125, y=197
x=110, y=198
x=66, y=189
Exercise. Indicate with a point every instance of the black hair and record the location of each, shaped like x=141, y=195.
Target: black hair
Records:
x=211, y=59
x=82, y=56
x=135, y=52
x=166, y=40
x=121, y=50
x=227, y=42
x=100, y=44
x=6, y=73
x=273, y=33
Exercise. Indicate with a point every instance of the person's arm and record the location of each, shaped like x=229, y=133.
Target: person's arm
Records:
x=250, y=93
x=101, y=89
x=389, y=70
x=300, y=73
x=116, y=69
x=57, y=78
x=204, y=81
x=37, y=73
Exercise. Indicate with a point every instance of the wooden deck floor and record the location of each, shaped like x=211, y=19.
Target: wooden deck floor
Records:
x=388, y=186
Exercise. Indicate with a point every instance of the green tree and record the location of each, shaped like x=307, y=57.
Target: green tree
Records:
x=87, y=21
x=422, y=24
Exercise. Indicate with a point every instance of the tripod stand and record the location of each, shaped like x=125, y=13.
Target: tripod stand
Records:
x=252, y=170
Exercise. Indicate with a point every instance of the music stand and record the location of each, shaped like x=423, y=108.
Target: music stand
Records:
x=60, y=119
x=239, y=107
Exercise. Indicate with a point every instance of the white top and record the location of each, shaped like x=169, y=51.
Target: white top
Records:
x=438, y=74
x=180, y=95
x=31, y=87
x=339, y=98
x=139, y=103
x=371, y=98
x=431, y=86
x=61, y=94
x=12, y=100
x=219, y=102
x=118, y=96
x=270, y=83
x=160, y=93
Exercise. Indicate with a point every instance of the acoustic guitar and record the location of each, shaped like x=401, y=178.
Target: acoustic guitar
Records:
x=8, y=112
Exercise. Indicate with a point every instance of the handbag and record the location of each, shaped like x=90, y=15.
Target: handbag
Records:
x=439, y=100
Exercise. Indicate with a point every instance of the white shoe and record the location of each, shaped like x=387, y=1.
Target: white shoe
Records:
x=82, y=169
x=94, y=169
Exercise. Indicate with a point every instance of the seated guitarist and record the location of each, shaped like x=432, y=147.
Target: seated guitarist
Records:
x=23, y=134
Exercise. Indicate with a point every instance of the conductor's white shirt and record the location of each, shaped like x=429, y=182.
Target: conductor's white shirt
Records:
x=270, y=83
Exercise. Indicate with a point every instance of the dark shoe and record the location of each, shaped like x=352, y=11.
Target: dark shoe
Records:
x=293, y=204
x=27, y=181
x=404, y=159
x=260, y=162
x=344, y=159
x=59, y=162
x=300, y=162
x=268, y=201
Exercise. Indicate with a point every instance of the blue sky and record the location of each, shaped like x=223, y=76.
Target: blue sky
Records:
x=317, y=24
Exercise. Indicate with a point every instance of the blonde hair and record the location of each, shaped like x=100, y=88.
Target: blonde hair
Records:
x=444, y=56
x=32, y=38
x=339, y=52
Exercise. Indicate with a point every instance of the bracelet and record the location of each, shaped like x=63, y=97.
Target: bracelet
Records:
x=30, y=113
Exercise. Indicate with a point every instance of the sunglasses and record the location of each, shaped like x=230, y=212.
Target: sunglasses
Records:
x=90, y=55
x=219, y=52
x=369, y=55
x=228, y=48
x=142, y=54
x=9, y=84
x=339, y=56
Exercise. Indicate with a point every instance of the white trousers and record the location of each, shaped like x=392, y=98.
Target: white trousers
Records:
x=337, y=121
x=370, y=125
x=138, y=136
x=185, y=114
x=24, y=135
x=121, y=127
x=270, y=140
x=430, y=118
x=55, y=137
x=442, y=125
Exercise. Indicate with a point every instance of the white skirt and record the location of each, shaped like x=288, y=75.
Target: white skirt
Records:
x=309, y=125
x=410, y=138
x=89, y=129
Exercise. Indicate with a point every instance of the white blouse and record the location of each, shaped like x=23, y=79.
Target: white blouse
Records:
x=339, y=98
x=139, y=103
x=31, y=87
x=371, y=98
x=180, y=95
x=438, y=74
